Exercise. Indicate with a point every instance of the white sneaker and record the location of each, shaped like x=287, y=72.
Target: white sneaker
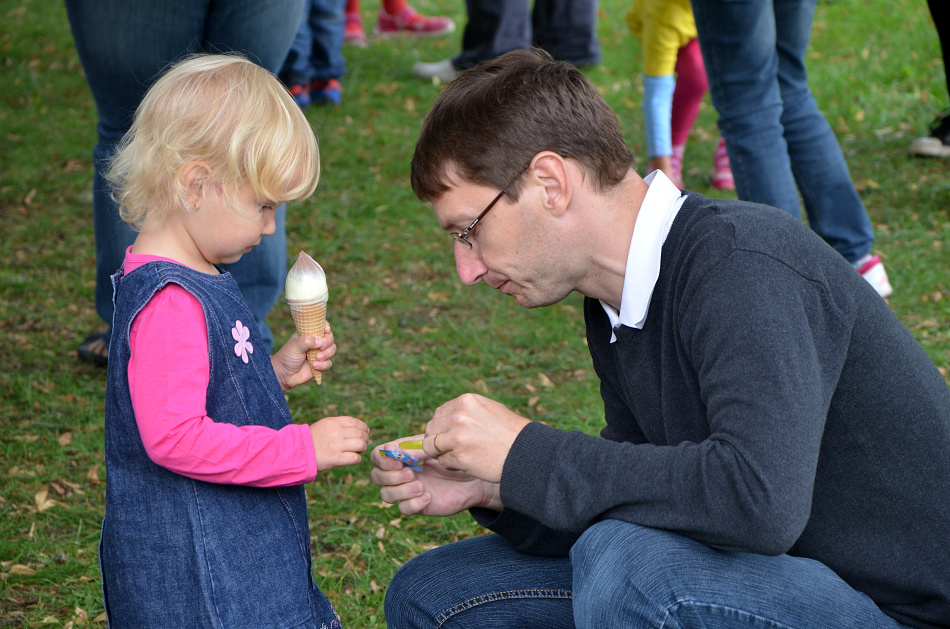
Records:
x=929, y=146
x=872, y=269
x=442, y=70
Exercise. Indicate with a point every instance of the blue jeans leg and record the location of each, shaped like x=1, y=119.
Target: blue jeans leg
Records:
x=480, y=582
x=327, y=23
x=632, y=576
x=317, y=50
x=779, y=142
x=123, y=45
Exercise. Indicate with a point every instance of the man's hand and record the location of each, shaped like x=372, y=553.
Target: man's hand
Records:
x=473, y=434
x=435, y=491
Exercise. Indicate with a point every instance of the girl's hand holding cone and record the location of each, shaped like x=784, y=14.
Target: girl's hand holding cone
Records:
x=291, y=362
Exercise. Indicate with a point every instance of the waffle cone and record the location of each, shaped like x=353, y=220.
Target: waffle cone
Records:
x=310, y=318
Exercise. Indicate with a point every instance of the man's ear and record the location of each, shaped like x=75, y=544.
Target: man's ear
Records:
x=551, y=171
x=194, y=179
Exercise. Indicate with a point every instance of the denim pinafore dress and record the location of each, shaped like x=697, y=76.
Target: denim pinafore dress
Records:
x=177, y=552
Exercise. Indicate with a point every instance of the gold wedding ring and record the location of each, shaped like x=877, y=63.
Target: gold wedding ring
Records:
x=435, y=444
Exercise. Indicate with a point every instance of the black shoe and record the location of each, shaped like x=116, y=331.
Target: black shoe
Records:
x=95, y=348
x=937, y=144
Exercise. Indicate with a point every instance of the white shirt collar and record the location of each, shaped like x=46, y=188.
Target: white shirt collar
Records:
x=660, y=206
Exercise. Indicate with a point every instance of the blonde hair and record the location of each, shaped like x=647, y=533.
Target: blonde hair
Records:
x=226, y=112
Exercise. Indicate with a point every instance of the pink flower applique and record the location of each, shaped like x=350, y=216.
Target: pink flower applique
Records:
x=243, y=347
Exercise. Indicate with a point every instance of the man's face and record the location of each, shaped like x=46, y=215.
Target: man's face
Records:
x=511, y=246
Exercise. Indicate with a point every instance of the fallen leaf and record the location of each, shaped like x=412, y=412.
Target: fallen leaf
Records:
x=42, y=502
x=21, y=569
x=65, y=439
x=545, y=381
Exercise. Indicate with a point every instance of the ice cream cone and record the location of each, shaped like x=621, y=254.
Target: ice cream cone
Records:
x=307, y=295
x=310, y=317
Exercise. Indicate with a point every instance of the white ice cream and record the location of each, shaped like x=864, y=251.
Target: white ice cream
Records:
x=306, y=280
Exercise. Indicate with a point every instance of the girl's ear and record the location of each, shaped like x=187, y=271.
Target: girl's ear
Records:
x=194, y=179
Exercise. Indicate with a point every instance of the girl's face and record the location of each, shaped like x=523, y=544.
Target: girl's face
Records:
x=225, y=229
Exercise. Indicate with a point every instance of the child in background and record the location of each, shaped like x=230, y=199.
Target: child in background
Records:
x=395, y=17
x=667, y=32
x=206, y=513
x=315, y=63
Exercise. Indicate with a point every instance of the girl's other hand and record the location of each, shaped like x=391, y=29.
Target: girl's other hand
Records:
x=338, y=441
x=290, y=362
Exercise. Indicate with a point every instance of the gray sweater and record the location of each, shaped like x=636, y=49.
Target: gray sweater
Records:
x=771, y=404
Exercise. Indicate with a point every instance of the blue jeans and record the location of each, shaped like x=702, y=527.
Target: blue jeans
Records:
x=317, y=51
x=123, y=45
x=567, y=29
x=779, y=143
x=622, y=575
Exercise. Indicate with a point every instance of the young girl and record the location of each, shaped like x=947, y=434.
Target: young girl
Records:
x=674, y=83
x=206, y=516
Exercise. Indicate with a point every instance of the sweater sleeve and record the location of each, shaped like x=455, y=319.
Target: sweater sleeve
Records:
x=168, y=380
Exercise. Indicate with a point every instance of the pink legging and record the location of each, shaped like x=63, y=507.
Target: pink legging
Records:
x=691, y=86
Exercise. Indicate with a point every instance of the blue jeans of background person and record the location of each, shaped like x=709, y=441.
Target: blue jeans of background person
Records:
x=567, y=29
x=317, y=50
x=754, y=52
x=622, y=575
x=123, y=45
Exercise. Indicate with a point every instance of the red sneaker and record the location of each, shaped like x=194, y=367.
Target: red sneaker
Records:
x=353, y=31
x=411, y=21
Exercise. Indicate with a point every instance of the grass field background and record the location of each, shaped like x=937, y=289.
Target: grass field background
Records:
x=410, y=336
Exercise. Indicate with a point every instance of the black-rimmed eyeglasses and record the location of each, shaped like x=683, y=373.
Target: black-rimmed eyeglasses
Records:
x=462, y=236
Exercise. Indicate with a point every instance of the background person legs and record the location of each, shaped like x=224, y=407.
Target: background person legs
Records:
x=123, y=45
x=779, y=143
x=937, y=143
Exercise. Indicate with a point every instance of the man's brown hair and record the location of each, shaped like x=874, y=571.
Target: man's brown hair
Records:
x=494, y=118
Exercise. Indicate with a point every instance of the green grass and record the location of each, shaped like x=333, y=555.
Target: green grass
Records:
x=410, y=336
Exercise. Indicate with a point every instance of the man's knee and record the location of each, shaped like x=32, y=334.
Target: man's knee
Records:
x=614, y=562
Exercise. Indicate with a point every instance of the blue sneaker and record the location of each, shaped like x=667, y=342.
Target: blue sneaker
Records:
x=326, y=92
x=301, y=94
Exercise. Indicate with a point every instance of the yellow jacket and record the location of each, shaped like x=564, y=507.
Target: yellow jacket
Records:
x=663, y=27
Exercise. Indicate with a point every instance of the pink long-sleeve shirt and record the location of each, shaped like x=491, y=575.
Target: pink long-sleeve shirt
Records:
x=169, y=373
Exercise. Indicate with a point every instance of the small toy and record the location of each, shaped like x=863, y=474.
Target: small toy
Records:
x=412, y=463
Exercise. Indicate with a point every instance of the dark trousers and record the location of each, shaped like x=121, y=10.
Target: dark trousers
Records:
x=567, y=29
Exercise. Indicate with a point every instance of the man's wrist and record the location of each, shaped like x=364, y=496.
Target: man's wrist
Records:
x=493, y=497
